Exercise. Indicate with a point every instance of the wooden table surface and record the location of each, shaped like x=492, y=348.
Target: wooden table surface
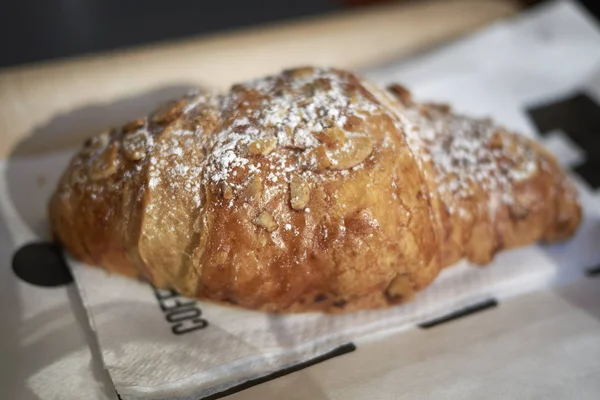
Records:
x=34, y=95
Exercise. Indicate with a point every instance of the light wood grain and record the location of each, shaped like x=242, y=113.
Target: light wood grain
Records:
x=30, y=96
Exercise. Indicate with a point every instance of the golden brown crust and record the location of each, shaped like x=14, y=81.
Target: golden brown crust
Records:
x=309, y=190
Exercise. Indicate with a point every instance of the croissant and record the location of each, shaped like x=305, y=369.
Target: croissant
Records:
x=311, y=190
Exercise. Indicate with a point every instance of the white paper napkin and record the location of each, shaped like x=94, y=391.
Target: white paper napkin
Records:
x=156, y=344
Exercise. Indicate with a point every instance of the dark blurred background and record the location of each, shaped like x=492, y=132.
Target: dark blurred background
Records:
x=35, y=30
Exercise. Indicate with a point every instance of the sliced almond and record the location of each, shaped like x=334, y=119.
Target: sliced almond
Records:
x=323, y=84
x=355, y=99
x=440, y=107
x=299, y=193
x=134, y=125
x=220, y=257
x=353, y=123
x=400, y=288
x=315, y=159
x=265, y=220
x=327, y=122
x=368, y=94
x=401, y=93
x=354, y=152
x=135, y=145
x=308, y=90
x=299, y=73
x=495, y=141
x=96, y=143
x=431, y=110
x=105, y=164
x=226, y=191
x=262, y=147
x=169, y=112
x=331, y=137
x=253, y=191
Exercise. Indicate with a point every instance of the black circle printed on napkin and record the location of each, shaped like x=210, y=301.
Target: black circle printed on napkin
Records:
x=41, y=264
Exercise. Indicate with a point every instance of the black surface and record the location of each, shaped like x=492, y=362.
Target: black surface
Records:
x=32, y=30
x=344, y=349
x=475, y=308
x=41, y=264
x=593, y=6
x=579, y=117
x=593, y=271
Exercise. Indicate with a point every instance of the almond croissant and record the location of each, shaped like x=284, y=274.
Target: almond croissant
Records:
x=308, y=190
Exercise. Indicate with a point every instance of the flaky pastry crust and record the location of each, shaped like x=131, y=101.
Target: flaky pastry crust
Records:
x=311, y=190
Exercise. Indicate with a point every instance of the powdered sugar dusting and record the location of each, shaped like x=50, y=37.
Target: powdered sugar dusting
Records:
x=291, y=111
x=467, y=154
